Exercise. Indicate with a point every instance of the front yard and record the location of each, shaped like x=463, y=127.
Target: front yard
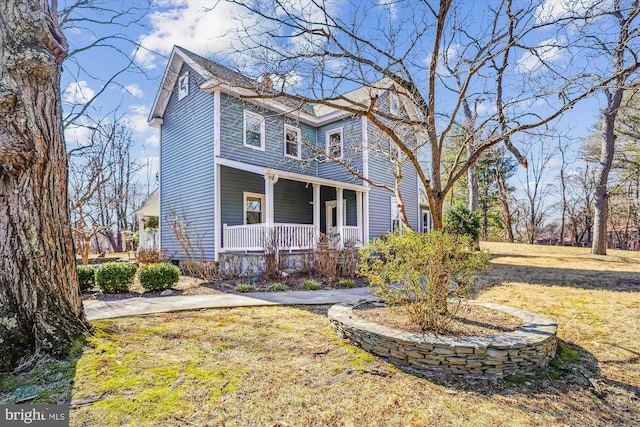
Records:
x=282, y=366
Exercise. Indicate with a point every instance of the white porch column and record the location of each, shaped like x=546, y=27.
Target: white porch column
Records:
x=339, y=217
x=359, y=221
x=316, y=210
x=141, y=233
x=269, y=183
x=365, y=219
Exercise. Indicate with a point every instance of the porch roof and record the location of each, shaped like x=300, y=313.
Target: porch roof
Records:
x=290, y=175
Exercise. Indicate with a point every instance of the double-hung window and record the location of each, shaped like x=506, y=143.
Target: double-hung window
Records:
x=253, y=208
x=334, y=144
x=292, y=141
x=253, y=131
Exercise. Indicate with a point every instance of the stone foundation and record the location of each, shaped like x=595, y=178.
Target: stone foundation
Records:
x=252, y=264
x=523, y=351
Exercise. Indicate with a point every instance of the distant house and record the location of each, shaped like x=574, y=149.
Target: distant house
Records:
x=235, y=170
x=150, y=210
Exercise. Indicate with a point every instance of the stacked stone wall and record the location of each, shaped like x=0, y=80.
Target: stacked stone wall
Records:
x=524, y=351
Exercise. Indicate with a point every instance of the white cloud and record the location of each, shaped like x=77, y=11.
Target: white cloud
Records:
x=137, y=118
x=551, y=10
x=486, y=108
x=549, y=50
x=134, y=90
x=188, y=23
x=150, y=167
x=78, y=93
x=77, y=136
x=152, y=141
x=391, y=6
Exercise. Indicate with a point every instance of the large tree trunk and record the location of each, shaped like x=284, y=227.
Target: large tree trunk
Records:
x=40, y=305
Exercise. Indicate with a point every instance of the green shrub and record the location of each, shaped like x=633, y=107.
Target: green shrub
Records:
x=346, y=283
x=277, y=287
x=159, y=276
x=244, y=287
x=114, y=277
x=311, y=285
x=419, y=271
x=460, y=220
x=86, y=277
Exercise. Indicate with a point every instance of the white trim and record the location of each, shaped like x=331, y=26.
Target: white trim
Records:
x=365, y=149
x=217, y=139
x=156, y=122
x=183, y=86
x=290, y=175
x=217, y=217
x=339, y=130
x=328, y=206
x=262, y=198
x=298, y=132
x=315, y=180
x=242, y=166
x=245, y=114
x=215, y=84
x=365, y=219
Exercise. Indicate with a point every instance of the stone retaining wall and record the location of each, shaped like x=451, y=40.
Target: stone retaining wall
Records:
x=523, y=351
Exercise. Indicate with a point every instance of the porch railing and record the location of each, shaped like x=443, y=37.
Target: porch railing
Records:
x=254, y=237
x=148, y=240
x=352, y=234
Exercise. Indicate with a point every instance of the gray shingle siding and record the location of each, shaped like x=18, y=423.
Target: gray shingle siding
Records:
x=187, y=167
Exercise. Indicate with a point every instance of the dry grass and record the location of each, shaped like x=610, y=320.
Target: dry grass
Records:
x=285, y=366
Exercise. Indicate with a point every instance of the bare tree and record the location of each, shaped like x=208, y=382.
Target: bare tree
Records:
x=536, y=191
x=104, y=194
x=611, y=35
x=40, y=304
x=374, y=48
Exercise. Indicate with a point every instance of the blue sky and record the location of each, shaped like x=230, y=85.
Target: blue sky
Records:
x=190, y=24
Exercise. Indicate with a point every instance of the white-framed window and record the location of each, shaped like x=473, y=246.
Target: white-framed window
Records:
x=183, y=85
x=253, y=208
x=253, y=131
x=394, y=103
x=292, y=141
x=427, y=220
x=396, y=224
x=334, y=143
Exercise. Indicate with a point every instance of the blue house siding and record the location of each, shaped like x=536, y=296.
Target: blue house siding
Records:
x=381, y=171
x=293, y=202
x=352, y=150
x=233, y=183
x=187, y=168
x=231, y=134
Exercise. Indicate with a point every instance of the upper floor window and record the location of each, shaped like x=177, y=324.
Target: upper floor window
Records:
x=394, y=103
x=292, y=141
x=253, y=208
x=183, y=85
x=334, y=144
x=253, y=131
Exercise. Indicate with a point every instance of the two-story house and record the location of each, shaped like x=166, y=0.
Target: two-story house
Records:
x=235, y=169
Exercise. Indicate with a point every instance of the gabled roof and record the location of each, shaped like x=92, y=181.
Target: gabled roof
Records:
x=219, y=77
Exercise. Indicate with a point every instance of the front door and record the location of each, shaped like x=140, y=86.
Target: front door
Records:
x=332, y=218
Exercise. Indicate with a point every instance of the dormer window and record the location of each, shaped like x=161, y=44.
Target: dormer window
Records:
x=291, y=141
x=334, y=144
x=183, y=85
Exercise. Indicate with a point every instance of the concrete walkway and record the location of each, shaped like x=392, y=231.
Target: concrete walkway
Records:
x=147, y=305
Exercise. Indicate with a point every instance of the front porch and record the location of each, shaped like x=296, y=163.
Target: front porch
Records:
x=288, y=211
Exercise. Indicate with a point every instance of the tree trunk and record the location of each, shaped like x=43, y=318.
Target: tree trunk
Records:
x=40, y=305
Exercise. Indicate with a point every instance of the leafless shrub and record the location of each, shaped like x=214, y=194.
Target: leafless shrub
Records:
x=193, y=263
x=349, y=259
x=327, y=257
